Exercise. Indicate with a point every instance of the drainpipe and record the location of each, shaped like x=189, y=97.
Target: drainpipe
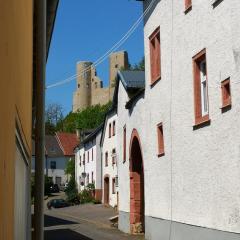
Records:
x=40, y=41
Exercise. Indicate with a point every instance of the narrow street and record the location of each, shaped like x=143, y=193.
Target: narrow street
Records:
x=83, y=222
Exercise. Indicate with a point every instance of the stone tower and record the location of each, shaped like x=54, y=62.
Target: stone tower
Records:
x=82, y=96
x=90, y=90
x=117, y=61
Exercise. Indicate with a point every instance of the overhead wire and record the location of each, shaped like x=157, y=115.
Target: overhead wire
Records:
x=106, y=54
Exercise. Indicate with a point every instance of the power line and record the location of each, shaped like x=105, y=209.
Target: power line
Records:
x=105, y=56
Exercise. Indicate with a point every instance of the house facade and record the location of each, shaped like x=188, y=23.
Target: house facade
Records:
x=88, y=163
x=58, y=151
x=109, y=159
x=179, y=162
x=18, y=52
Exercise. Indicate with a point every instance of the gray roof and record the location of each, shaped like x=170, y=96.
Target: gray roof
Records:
x=132, y=79
x=52, y=147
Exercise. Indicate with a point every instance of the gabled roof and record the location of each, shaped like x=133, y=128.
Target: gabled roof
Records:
x=67, y=142
x=91, y=136
x=52, y=147
x=132, y=79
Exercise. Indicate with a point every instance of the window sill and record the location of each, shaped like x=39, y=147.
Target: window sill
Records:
x=215, y=3
x=202, y=123
x=161, y=154
x=225, y=105
x=188, y=9
x=155, y=81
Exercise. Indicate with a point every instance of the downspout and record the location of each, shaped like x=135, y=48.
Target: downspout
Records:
x=40, y=41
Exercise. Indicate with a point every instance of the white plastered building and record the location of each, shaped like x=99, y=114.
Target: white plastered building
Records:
x=88, y=163
x=109, y=159
x=184, y=126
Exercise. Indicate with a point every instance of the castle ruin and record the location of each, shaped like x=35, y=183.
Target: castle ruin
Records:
x=90, y=90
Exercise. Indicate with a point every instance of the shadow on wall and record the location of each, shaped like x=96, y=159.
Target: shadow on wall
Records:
x=146, y=4
x=64, y=234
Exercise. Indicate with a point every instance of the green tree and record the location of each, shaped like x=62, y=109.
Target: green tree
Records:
x=139, y=66
x=89, y=118
x=70, y=167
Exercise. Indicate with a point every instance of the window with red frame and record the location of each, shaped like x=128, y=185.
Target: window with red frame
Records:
x=106, y=159
x=226, y=93
x=188, y=4
x=124, y=143
x=200, y=88
x=160, y=140
x=155, y=55
x=113, y=186
x=114, y=126
x=109, y=130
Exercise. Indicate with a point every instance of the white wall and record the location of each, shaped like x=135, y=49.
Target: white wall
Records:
x=107, y=146
x=94, y=164
x=61, y=163
x=197, y=181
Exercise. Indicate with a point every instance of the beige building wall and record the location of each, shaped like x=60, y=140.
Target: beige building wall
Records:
x=90, y=89
x=15, y=99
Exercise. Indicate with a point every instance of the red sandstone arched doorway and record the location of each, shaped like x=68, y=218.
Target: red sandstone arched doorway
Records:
x=106, y=190
x=136, y=185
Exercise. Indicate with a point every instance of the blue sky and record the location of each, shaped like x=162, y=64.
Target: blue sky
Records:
x=84, y=31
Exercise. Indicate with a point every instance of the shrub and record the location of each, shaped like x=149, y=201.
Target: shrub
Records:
x=85, y=196
x=71, y=191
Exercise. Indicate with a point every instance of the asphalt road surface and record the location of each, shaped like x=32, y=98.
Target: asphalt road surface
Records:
x=83, y=222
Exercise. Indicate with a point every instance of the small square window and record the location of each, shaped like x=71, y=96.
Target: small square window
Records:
x=226, y=93
x=53, y=164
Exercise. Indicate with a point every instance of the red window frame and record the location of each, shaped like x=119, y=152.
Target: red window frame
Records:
x=155, y=55
x=197, y=59
x=226, y=93
x=188, y=5
x=124, y=143
x=160, y=137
